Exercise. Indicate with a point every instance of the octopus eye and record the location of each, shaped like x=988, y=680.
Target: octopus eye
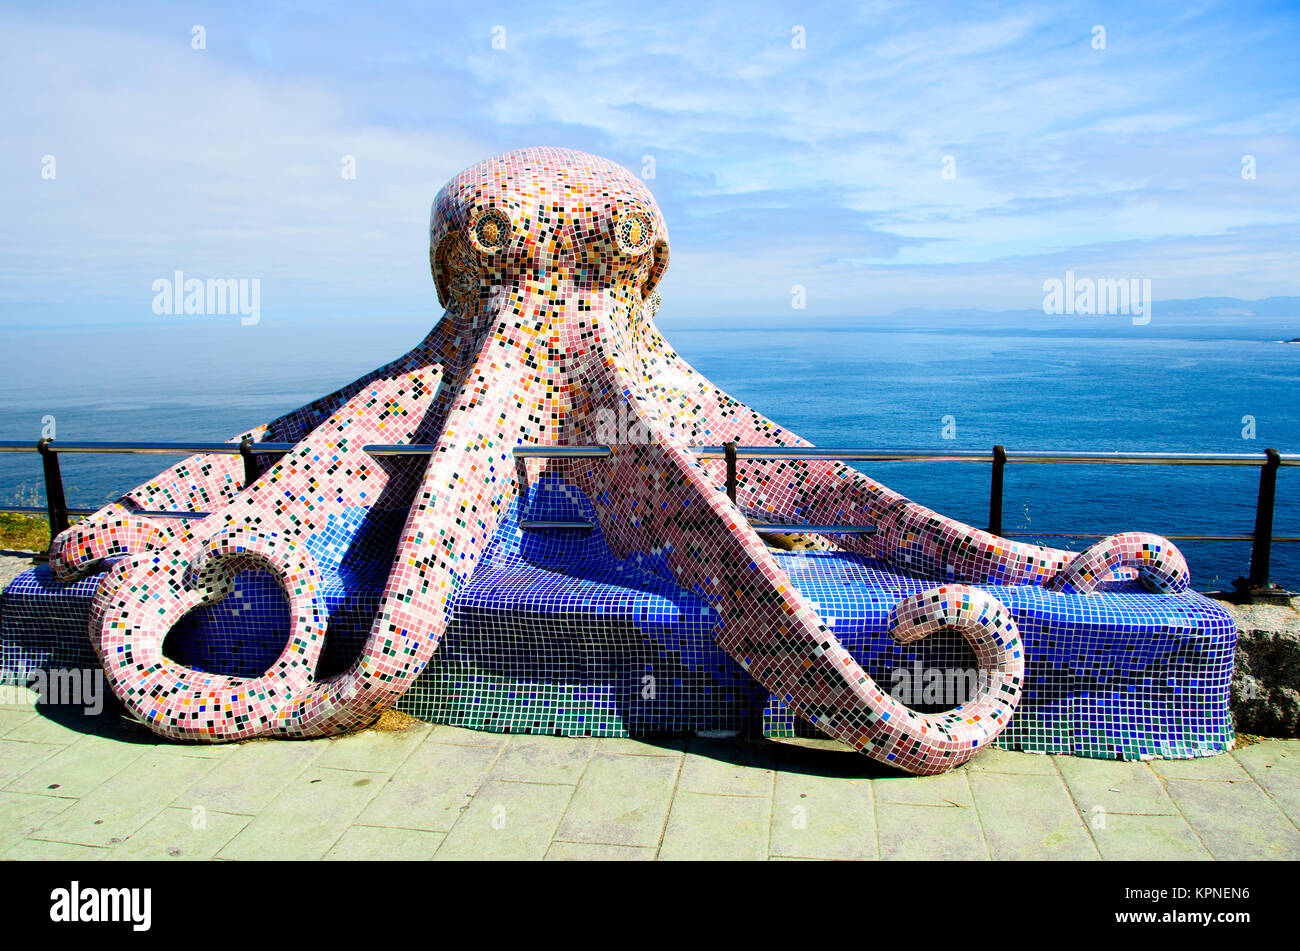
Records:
x=490, y=231
x=634, y=233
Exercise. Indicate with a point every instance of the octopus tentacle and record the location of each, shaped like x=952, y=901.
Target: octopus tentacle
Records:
x=327, y=470
x=991, y=631
x=823, y=491
x=657, y=504
x=818, y=491
x=205, y=482
x=190, y=704
x=454, y=512
x=457, y=509
x=1159, y=564
x=110, y=533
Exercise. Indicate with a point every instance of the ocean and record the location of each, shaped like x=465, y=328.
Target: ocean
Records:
x=932, y=382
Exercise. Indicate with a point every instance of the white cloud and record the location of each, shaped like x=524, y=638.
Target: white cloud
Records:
x=168, y=157
x=822, y=162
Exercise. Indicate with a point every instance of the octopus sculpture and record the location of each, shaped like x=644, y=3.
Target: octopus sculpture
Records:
x=546, y=262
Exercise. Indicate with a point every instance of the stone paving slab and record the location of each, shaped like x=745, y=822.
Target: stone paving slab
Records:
x=621, y=800
x=1236, y=819
x=102, y=787
x=18, y=760
x=587, y=852
x=374, y=751
x=1129, y=838
x=380, y=844
x=508, y=821
x=724, y=767
x=189, y=835
x=24, y=814
x=544, y=759
x=309, y=816
x=11, y=719
x=1030, y=817
x=705, y=827
x=120, y=807
x=1102, y=788
x=432, y=788
x=1275, y=767
x=929, y=832
x=76, y=768
x=822, y=816
x=246, y=780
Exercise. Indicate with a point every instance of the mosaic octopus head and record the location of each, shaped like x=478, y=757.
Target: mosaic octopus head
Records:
x=545, y=217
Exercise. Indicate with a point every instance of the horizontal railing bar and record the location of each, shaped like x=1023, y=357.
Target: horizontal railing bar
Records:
x=1068, y=457
x=407, y=449
x=562, y=452
x=782, y=528
x=931, y=455
x=1063, y=456
x=1028, y=456
x=764, y=527
x=151, y=448
x=856, y=455
x=779, y=528
x=1172, y=538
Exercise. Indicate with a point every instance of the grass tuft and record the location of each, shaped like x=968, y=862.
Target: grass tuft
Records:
x=24, y=532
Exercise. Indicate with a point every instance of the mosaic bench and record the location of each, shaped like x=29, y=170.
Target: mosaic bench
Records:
x=553, y=634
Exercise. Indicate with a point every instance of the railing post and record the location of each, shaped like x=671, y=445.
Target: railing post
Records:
x=56, y=505
x=1261, y=548
x=995, y=490
x=730, y=451
x=250, y=461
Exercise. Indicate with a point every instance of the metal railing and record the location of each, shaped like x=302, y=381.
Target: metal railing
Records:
x=1257, y=581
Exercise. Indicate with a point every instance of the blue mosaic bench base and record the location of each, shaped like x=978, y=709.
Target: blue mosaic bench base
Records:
x=554, y=635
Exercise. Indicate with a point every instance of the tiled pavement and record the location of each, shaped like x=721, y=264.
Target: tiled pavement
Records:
x=103, y=788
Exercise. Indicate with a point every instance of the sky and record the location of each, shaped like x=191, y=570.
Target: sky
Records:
x=881, y=156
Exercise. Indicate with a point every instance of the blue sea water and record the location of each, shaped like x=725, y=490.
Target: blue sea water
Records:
x=1179, y=384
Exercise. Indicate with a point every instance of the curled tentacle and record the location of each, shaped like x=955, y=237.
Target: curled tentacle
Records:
x=1157, y=561
x=110, y=533
x=197, y=484
x=184, y=703
x=991, y=631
